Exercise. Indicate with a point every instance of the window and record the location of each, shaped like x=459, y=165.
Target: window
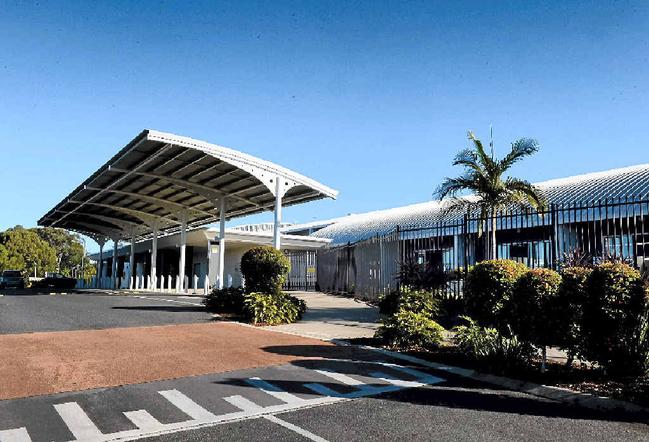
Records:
x=620, y=246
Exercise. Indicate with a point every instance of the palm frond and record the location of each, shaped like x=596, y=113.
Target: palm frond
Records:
x=523, y=191
x=453, y=186
x=521, y=148
x=486, y=160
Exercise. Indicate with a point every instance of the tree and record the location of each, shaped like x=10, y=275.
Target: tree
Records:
x=68, y=248
x=484, y=176
x=22, y=249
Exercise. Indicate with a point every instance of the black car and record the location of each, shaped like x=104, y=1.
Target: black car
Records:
x=12, y=278
x=56, y=281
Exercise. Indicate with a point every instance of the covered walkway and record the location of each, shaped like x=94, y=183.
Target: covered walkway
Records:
x=161, y=184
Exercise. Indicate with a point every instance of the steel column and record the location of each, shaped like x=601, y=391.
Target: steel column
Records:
x=114, y=269
x=278, y=214
x=183, y=247
x=220, y=283
x=131, y=264
x=154, y=257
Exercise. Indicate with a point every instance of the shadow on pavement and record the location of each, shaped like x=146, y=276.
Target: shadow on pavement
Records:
x=455, y=392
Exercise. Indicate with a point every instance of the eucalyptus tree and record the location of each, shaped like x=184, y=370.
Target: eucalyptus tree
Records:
x=485, y=177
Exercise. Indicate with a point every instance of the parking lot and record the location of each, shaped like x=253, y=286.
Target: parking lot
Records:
x=95, y=366
x=24, y=311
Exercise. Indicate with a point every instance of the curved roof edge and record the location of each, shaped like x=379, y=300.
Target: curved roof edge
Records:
x=233, y=156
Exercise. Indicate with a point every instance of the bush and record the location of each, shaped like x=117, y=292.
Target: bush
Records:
x=413, y=300
x=489, y=347
x=532, y=309
x=272, y=309
x=408, y=329
x=614, y=318
x=264, y=269
x=571, y=299
x=488, y=286
x=228, y=300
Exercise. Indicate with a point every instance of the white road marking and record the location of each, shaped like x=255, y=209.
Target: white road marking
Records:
x=147, y=426
x=342, y=378
x=394, y=381
x=242, y=403
x=15, y=435
x=187, y=406
x=143, y=420
x=77, y=421
x=274, y=391
x=324, y=390
x=298, y=430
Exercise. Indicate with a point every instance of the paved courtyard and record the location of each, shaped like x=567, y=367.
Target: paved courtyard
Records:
x=97, y=367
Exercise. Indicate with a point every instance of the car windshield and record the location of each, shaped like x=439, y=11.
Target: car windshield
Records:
x=11, y=274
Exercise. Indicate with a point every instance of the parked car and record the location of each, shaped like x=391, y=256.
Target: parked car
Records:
x=12, y=278
x=56, y=281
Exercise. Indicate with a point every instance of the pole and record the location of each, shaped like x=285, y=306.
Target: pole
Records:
x=183, y=247
x=222, y=206
x=278, y=214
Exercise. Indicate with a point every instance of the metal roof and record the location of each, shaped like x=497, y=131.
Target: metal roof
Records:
x=158, y=176
x=631, y=182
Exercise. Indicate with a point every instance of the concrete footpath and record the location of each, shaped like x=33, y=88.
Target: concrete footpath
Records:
x=333, y=317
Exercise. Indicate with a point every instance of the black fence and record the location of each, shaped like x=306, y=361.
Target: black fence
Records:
x=576, y=233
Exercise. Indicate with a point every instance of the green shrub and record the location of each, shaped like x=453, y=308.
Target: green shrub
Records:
x=264, y=269
x=389, y=303
x=227, y=300
x=272, y=309
x=614, y=318
x=571, y=299
x=408, y=329
x=532, y=309
x=489, y=347
x=413, y=300
x=488, y=286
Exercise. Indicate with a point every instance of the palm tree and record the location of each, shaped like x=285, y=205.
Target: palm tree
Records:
x=484, y=177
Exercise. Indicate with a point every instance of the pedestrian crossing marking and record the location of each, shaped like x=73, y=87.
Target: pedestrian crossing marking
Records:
x=15, y=435
x=77, y=421
x=187, y=406
x=274, y=391
x=83, y=429
x=242, y=403
x=143, y=420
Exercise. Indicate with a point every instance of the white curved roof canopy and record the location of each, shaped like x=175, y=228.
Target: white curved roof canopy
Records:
x=611, y=185
x=160, y=177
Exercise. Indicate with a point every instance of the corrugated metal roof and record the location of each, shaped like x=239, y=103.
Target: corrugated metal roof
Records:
x=611, y=184
x=160, y=177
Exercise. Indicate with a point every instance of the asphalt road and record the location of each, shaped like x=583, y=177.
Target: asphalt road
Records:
x=24, y=311
x=310, y=400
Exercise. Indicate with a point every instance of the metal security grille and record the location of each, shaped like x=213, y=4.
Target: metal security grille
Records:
x=586, y=233
x=303, y=274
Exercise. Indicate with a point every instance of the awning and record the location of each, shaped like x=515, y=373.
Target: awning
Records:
x=159, y=178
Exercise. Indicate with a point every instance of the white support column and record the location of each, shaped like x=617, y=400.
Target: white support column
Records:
x=131, y=263
x=154, y=257
x=278, y=213
x=222, y=206
x=183, y=247
x=100, y=263
x=114, y=270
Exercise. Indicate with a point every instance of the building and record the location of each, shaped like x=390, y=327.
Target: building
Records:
x=590, y=217
x=202, y=259
x=159, y=189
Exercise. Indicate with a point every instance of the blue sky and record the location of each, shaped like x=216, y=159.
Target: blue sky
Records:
x=371, y=98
